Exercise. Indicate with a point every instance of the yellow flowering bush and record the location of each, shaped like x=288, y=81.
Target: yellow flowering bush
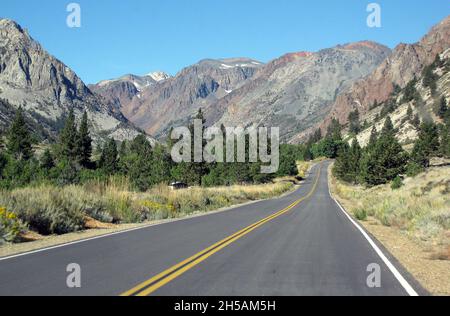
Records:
x=154, y=210
x=10, y=226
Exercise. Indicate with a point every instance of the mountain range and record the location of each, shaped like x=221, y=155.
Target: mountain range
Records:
x=298, y=92
x=47, y=89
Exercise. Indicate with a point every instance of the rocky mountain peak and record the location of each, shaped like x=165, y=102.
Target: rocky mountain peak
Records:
x=47, y=89
x=406, y=62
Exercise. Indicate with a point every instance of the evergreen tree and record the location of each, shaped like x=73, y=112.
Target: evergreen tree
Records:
x=342, y=164
x=353, y=118
x=19, y=143
x=427, y=145
x=355, y=161
x=373, y=137
x=347, y=165
x=384, y=161
x=388, y=127
x=409, y=113
x=144, y=165
x=334, y=130
x=197, y=169
x=68, y=145
x=47, y=161
x=84, y=144
x=161, y=165
x=445, y=138
x=442, y=108
x=416, y=121
x=430, y=78
x=410, y=91
x=108, y=159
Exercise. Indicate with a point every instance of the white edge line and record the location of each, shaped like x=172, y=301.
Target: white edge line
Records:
x=142, y=227
x=408, y=288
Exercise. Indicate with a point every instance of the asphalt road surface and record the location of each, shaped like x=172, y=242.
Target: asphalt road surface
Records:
x=300, y=244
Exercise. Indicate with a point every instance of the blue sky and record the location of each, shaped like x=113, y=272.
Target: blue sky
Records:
x=139, y=36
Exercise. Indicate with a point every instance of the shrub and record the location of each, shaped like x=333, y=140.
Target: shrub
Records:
x=413, y=169
x=360, y=214
x=47, y=211
x=10, y=226
x=397, y=183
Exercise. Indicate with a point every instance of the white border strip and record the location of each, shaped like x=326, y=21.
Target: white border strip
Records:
x=408, y=288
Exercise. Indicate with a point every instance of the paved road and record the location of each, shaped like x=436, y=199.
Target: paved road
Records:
x=309, y=248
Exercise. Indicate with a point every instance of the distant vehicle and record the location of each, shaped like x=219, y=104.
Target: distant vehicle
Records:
x=178, y=185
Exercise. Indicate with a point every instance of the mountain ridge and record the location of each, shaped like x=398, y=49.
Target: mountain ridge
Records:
x=405, y=63
x=47, y=89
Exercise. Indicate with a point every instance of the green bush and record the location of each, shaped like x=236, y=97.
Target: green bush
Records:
x=413, y=169
x=10, y=226
x=360, y=214
x=397, y=183
x=45, y=211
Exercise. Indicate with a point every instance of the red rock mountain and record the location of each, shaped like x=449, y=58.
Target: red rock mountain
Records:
x=406, y=62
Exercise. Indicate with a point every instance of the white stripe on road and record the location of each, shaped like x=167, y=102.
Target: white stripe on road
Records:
x=408, y=288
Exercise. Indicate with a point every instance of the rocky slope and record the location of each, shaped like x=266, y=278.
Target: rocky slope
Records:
x=423, y=108
x=47, y=89
x=405, y=63
x=121, y=91
x=296, y=90
x=171, y=102
x=293, y=92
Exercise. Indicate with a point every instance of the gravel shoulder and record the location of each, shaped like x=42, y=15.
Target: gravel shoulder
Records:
x=416, y=257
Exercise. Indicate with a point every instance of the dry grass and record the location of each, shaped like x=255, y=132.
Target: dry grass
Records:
x=421, y=208
x=59, y=210
x=413, y=222
x=303, y=168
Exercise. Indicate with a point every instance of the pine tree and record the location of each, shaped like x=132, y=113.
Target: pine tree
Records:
x=355, y=161
x=410, y=91
x=388, y=127
x=334, y=130
x=347, y=165
x=108, y=159
x=19, y=143
x=47, y=161
x=416, y=121
x=341, y=166
x=427, y=145
x=353, y=118
x=137, y=160
x=197, y=169
x=430, y=78
x=442, y=108
x=385, y=160
x=445, y=138
x=373, y=137
x=68, y=149
x=84, y=143
x=409, y=113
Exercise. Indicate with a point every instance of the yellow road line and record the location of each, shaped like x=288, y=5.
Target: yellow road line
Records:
x=161, y=279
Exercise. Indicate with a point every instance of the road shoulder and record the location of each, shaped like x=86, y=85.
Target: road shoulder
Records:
x=414, y=258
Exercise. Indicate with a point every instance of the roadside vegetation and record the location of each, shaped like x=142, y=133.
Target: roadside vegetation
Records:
x=49, y=209
x=386, y=182
x=420, y=208
x=63, y=187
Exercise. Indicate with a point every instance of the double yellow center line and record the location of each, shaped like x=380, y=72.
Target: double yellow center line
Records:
x=151, y=285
